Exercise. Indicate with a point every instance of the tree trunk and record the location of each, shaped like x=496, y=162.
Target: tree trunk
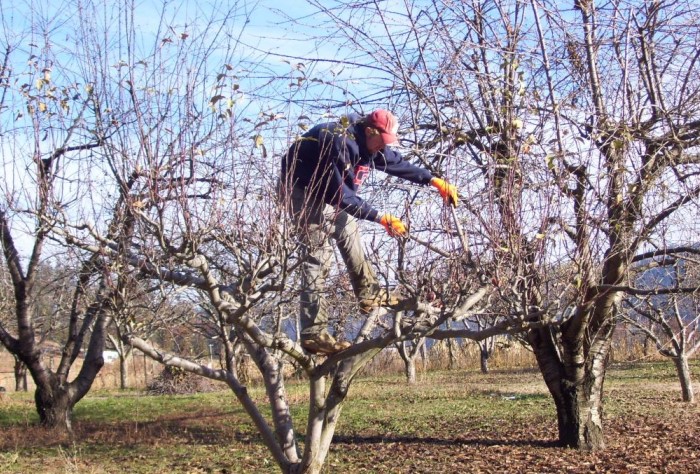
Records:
x=683, y=370
x=55, y=397
x=577, y=389
x=423, y=352
x=123, y=372
x=645, y=346
x=55, y=406
x=410, y=370
x=579, y=412
x=579, y=408
x=484, y=360
x=451, y=358
x=409, y=354
x=20, y=376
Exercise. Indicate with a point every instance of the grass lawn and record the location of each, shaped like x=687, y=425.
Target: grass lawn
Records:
x=453, y=421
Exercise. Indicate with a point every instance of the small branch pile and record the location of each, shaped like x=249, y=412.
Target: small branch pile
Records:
x=176, y=381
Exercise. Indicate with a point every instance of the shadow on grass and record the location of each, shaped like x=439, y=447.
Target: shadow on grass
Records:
x=208, y=429
x=197, y=428
x=360, y=440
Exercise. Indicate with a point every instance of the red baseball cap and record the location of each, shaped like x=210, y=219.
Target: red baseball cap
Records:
x=386, y=123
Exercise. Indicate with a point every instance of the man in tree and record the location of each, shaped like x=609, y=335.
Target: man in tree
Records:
x=321, y=174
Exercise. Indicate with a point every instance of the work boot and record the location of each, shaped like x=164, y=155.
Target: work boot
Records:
x=379, y=298
x=323, y=344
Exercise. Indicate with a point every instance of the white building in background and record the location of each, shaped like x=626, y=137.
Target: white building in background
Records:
x=110, y=356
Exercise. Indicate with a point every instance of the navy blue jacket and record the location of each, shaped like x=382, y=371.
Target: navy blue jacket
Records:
x=330, y=161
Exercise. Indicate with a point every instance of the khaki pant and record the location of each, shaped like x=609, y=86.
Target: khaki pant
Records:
x=315, y=223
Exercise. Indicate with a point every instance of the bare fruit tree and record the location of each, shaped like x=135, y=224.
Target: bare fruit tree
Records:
x=572, y=131
x=663, y=306
x=46, y=109
x=190, y=159
x=643, y=139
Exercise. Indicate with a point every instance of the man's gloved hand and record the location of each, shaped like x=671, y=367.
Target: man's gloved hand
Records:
x=393, y=225
x=447, y=191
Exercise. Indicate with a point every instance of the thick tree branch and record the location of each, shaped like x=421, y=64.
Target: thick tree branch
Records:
x=238, y=389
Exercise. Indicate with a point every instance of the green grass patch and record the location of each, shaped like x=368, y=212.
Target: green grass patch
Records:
x=113, y=406
x=386, y=425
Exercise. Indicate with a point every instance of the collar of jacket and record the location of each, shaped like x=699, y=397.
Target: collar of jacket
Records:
x=357, y=129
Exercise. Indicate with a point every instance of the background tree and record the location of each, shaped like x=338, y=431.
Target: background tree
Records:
x=663, y=306
x=409, y=352
x=45, y=111
x=152, y=311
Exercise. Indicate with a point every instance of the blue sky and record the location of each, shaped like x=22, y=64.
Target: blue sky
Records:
x=22, y=24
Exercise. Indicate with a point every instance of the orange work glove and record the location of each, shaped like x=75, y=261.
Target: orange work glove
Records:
x=393, y=225
x=447, y=191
